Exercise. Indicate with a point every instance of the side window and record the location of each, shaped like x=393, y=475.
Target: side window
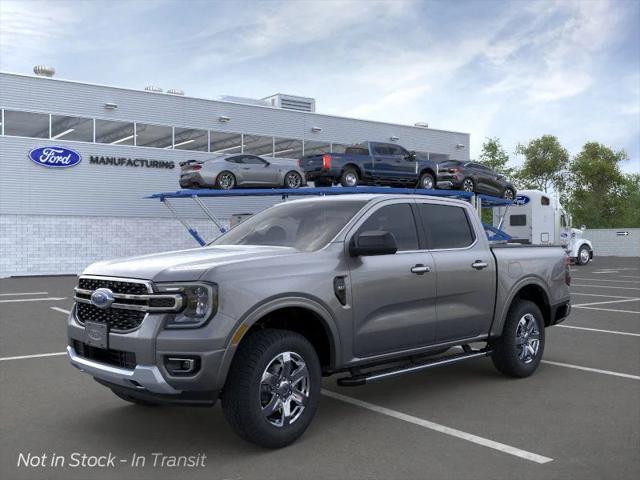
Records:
x=357, y=151
x=238, y=159
x=398, y=151
x=396, y=219
x=544, y=201
x=381, y=150
x=445, y=226
x=251, y=160
x=518, y=220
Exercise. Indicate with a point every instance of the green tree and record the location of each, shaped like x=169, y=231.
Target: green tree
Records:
x=599, y=194
x=630, y=214
x=494, y=156
x=545, y=162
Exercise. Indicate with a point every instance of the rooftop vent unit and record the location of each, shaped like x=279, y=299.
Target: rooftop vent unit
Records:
x=244, y=100
x=175, y=91
x=292, y=102
x=151, y=88
x=421, y=124
x=44, y=71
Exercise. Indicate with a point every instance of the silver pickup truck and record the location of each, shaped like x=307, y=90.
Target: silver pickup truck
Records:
x=369, y=286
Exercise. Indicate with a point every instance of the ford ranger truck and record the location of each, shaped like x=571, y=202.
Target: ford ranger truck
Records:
x=366, y=286
x=372, y=163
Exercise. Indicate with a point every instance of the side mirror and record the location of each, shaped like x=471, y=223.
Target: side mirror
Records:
x=373, y=243
x=583, y=227
x=411, y=156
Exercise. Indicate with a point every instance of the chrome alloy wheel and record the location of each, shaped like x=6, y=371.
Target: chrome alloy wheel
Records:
x=226, y=181
x=508, y=194
x=584, y=256
x=427, y=182
x=527, y=338
x=293, y=180
x=284, y=389
x=351, y=179
x=467, y=185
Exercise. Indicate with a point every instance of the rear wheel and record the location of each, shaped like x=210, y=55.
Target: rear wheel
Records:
x=508, y=194
x=468, y=185
x=293, y=180
x=426, y=181
x=518, y=351
x=584, y=255
x=349, y=178
x=226, y=180
x=272, y=390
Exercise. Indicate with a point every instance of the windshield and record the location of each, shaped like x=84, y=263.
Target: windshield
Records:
x=305, y=226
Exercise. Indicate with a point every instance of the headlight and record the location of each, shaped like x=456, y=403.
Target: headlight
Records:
x=200, y=303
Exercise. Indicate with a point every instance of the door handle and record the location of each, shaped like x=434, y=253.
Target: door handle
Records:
x=420, y=269
x=479, y=264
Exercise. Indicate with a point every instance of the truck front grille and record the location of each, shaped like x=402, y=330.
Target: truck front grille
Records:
x=117, y=319
x=117, y=358
x=116, y=286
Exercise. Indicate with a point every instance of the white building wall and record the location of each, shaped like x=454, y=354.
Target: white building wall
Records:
x=612, y=242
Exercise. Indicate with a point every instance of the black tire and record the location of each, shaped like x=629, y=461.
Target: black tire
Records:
x=323, y=182
x=292, y=180
x=507, y=355
x=221, y=182
x=243, y=395
x=349, y=177
x=583, y=252
x=137, y=401
x=509, y=194
x=468, y=185
x=427, y=181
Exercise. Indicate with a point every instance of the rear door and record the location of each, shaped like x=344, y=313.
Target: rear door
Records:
x=393, y=295
x=383, y=162
x=465, y=271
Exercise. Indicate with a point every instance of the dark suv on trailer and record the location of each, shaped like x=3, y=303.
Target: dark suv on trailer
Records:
x=474, y=177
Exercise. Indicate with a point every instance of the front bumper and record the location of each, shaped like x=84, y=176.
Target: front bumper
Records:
x=147, y=377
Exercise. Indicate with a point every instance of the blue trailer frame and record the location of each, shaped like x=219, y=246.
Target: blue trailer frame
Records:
x=478, y=200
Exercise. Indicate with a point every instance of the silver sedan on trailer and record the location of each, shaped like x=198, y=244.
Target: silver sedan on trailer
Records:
x=241, y=170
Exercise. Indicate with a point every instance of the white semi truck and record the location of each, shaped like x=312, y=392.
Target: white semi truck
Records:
x=536, y=218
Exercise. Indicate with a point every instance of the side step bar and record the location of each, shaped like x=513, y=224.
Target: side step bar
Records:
x=381, y=374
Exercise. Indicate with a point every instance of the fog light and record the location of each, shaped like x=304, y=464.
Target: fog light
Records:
x=182, y=365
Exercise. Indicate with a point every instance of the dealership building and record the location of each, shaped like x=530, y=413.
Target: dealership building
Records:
x=129, y=144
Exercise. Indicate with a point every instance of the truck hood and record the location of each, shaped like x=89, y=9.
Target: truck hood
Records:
x=183, y=265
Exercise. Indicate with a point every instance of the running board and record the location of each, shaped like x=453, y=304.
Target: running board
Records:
x=381, y=374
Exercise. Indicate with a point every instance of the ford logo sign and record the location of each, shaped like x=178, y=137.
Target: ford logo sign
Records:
x=55, y=157
x=102, y=298
x=521, y=200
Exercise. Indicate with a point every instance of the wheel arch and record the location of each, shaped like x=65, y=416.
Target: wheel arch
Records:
x=429, y=170
x=529, y=289
x=354, y=166
x=298, y=314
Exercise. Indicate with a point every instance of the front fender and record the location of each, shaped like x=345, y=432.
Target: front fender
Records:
x=265, y=307
x=575, y=247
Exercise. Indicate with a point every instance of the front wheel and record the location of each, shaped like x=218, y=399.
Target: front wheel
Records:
x=584, y=255
x=518, y=351
x=468, y=185
x=293, y=180
x=272, y=390
x=426, y=181
x=508, y=194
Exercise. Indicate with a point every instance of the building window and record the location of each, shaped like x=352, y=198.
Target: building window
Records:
x=26, y=124
x=316, y=148
x=71, y=128
x=287, y=148
x=226, y=143
x=258, y=145
x=157, y=136
x=191, y=139
x=115, y=133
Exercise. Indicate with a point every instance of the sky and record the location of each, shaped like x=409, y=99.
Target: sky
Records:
x=513, y=70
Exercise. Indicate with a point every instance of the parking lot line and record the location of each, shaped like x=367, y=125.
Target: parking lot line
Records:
x=607, y=309
x=616, y=332
x=61, y=310
x=605, y=286
x=589, y=369
x=440, y=428
x=603, y=280
x=50, y=299
x=22, y=293
x=22, y=357
x=628, y=276
x=598, y=295
x=631, y=299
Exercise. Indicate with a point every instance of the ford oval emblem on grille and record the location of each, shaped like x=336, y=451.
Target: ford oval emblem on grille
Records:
x=102, y=298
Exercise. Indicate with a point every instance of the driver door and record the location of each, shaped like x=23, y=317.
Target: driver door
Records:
x=258, y=171
x=394, y=299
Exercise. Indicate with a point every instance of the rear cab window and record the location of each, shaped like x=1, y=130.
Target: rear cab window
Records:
x=445, y=226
